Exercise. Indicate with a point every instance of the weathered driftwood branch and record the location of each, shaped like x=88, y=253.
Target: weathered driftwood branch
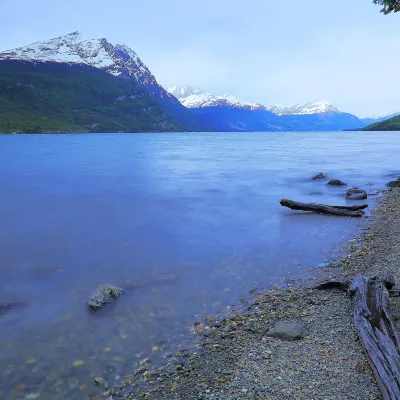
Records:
x=341, y=284
x=344, y=285
x=344, y=211
x=377, y=332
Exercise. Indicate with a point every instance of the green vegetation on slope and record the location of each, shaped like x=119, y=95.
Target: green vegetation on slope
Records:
x=392, y=124
x=54, y=97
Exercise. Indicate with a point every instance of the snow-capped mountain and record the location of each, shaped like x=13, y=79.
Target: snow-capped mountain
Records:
x=316, y=107
x=383, y=115
x=181, y=92
x=237, y=114
x=378, y=118
x=195, y=98
x=74, y=48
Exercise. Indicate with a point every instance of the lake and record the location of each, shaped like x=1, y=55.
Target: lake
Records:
x=193, y=219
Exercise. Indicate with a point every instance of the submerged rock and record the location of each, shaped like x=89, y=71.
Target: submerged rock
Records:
x=356, y=194
x=395, y=183
x=135, y=283
x=336, y=182
x=103, y=295
x=321, y=175
x=287, y=331
x=6, y=307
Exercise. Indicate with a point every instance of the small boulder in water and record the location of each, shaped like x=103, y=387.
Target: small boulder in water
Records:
x=103, y=295
x=356, y=194
x=320, y=176
x=336, y=182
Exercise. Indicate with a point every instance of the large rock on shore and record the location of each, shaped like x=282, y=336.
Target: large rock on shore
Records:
x=287, y=331
x=395, y=183
x=336, y=182
x=103, y=295
x=356, y=194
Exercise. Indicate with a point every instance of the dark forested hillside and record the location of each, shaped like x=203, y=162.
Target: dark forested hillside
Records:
x=58, y=97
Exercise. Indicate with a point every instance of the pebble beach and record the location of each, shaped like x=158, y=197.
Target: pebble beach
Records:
x=237, y=358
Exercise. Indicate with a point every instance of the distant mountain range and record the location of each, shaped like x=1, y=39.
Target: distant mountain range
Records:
x=232, y=113
x=76, y=84
x=196, y=98
x=391, y=124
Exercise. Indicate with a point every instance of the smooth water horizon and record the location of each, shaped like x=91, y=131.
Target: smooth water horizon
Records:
x=192, y=219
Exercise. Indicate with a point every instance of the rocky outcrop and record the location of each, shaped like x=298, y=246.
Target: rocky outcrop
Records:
x=103, y=295
x=395, y=183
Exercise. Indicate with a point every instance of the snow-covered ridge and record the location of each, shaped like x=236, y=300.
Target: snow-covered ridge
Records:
x=383, y=116
x=196, y=98
x=316, y=107
x=74, y=48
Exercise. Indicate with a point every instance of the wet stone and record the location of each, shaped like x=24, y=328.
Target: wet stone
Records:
x=98, y=381
x=356, y=194
x=320, y=176
x=103, y=295
x=336, y=182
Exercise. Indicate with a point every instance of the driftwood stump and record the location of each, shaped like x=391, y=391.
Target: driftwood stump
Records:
x=343, y=211
x=377, y=332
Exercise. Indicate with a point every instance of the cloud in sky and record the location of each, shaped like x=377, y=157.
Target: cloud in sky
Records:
x=263, y=51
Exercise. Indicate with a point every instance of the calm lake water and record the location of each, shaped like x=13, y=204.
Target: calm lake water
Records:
x=194, y=218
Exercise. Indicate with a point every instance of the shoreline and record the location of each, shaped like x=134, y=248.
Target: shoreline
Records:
x=236, y=360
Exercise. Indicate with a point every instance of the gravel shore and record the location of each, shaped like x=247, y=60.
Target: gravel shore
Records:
x=237, y=360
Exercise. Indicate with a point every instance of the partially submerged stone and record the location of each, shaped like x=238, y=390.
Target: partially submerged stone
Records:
x=395, y=183
x=336, y=182
x=356, y=194
x=319, y=176
x=6, y=307
x=103, y=295
x=287, y=331
x=135, y=283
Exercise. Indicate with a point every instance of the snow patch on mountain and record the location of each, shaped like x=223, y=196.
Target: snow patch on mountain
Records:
x=71, y=48
x=74, y=48
x=182, y=92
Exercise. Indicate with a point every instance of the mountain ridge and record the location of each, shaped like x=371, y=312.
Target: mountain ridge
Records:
x=196, y=98
x=179, y=108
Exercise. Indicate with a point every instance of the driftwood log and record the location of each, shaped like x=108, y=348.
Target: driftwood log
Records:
x=343, y=211
x=377, y=332
x=376, y=329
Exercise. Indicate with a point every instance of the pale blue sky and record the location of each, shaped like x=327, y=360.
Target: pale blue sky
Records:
x=263, y=51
